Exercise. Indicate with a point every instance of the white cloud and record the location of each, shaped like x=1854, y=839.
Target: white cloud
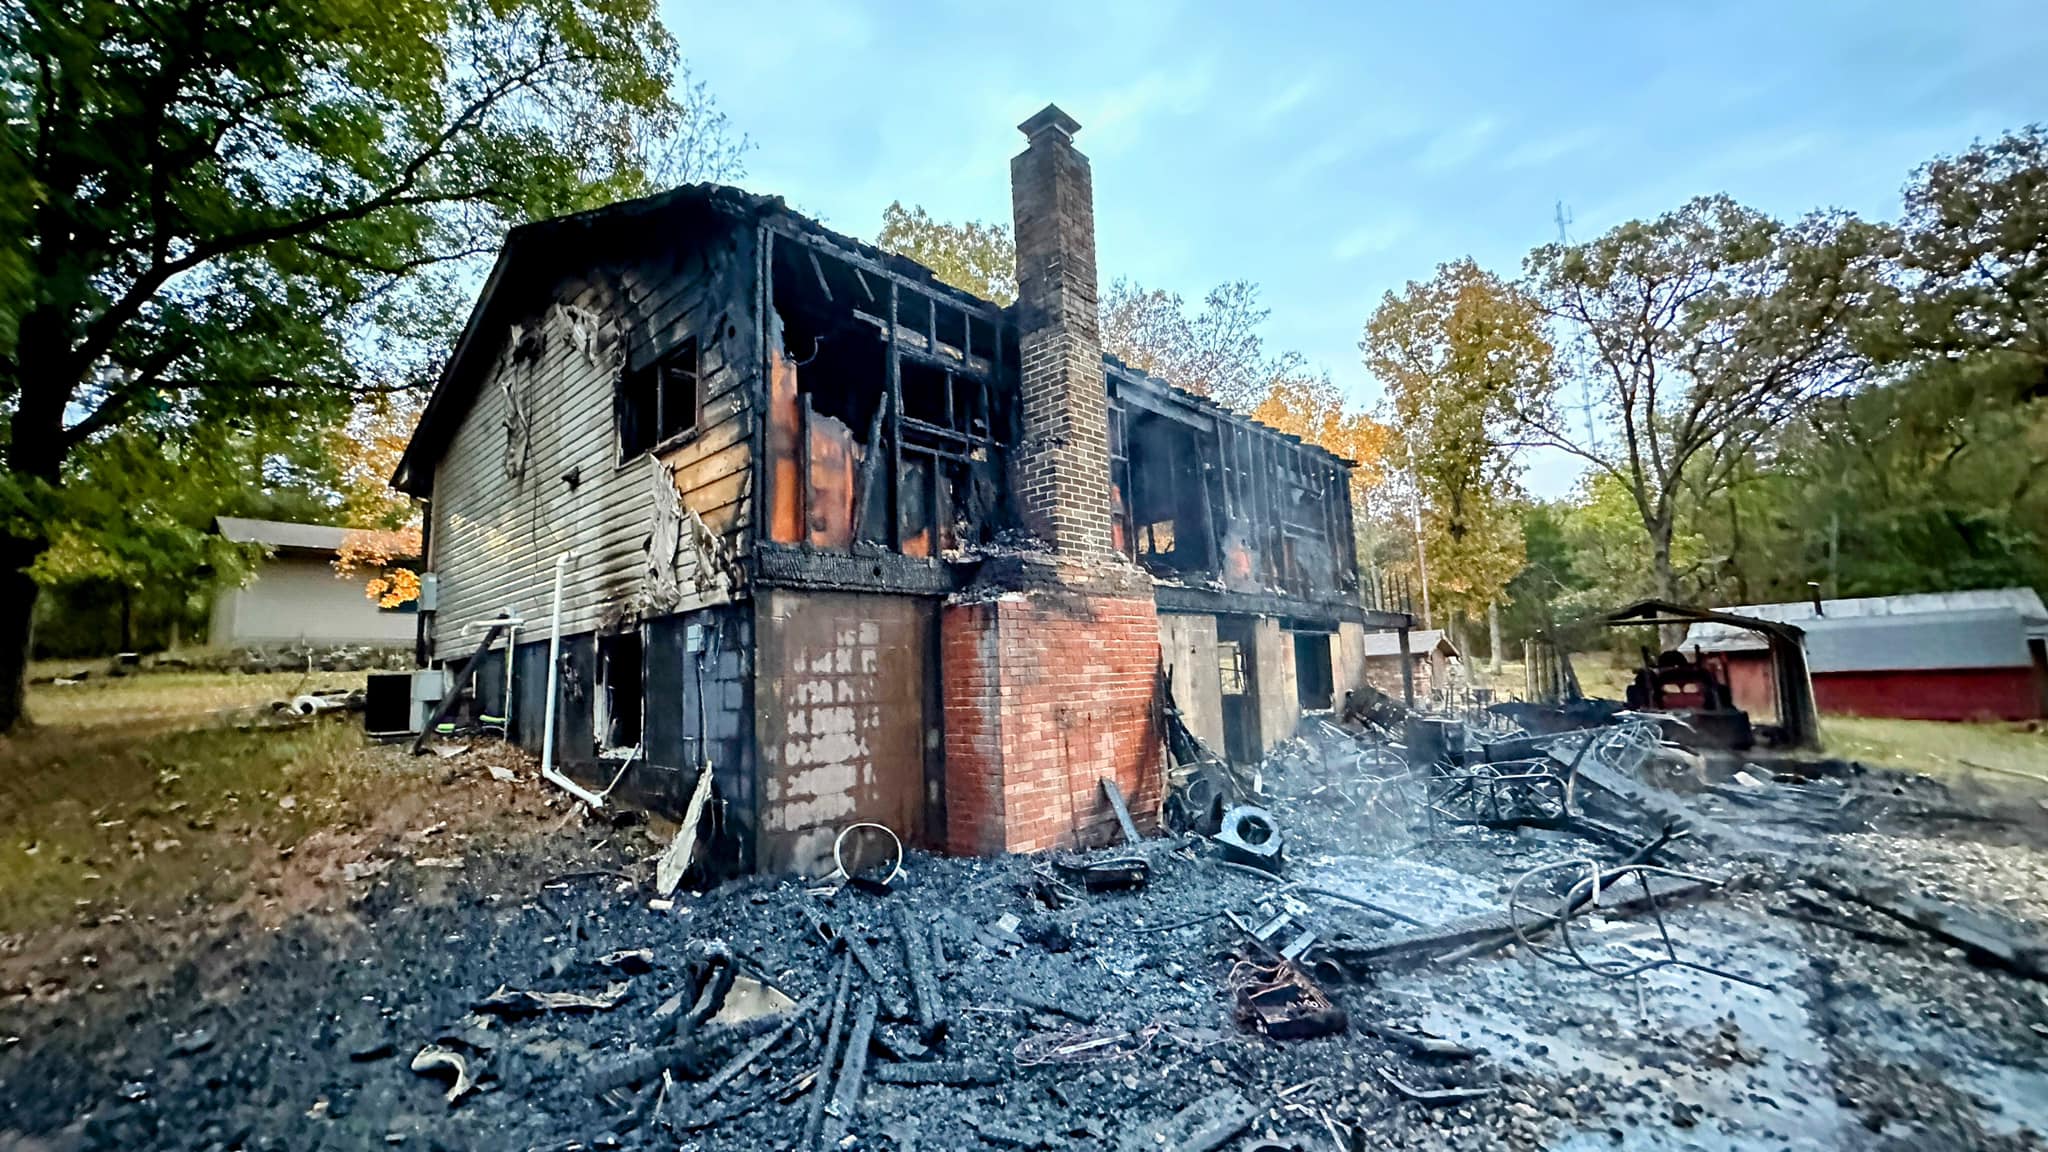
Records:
x=1117, y=116
x=1373, y=237
x=1458, y=146
x=1538, y=151
x=1288, y=99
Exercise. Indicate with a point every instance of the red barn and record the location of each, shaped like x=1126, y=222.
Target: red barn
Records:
x=1978, y=655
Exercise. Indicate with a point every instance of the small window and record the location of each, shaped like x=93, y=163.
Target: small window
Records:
x=658, y=403
x=1230, y=666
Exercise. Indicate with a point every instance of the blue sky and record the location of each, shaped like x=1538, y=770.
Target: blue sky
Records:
x=1331, y=152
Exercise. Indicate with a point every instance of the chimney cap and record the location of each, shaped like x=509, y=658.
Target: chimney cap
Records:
x=1050, y=119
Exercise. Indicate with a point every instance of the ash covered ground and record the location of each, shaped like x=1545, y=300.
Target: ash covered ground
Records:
x=1105, y=1020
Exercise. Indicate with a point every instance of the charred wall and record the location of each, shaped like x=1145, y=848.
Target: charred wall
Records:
x=543, y=461
x=1230, y=515
x=889, y=409
x=848, y=729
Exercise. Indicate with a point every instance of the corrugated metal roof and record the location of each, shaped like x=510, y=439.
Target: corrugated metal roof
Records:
x=1919, y=641
x=1420, y=641
x=2023, y=601
x=280, y=533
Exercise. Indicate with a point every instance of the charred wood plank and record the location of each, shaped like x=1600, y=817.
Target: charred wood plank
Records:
x=690, y=1060
x=946, y=1073
x=754, y=1051
x=846, y=1093
x=454, y=694
x=1204, y=1126
x=1122, y=810
x=1986, y=938
x=893, y=1004
x=814, y=1118
x=924, y=986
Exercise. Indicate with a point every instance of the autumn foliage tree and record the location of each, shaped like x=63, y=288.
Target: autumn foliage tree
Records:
x=1314, y=408
x=1461, y=357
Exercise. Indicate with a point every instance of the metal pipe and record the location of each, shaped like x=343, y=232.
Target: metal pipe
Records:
x=547, y=732
x=512, y=624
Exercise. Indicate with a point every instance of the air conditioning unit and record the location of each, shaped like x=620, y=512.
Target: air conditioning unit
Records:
x=387, y=704
x=428, y=686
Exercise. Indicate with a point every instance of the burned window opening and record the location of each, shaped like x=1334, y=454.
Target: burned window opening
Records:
x=1169, y=512
x=1230, y=666
x=621, y=693
x=886, y=426
x=659, y=405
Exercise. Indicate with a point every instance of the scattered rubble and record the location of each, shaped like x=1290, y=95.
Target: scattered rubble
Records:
x=1458, y=952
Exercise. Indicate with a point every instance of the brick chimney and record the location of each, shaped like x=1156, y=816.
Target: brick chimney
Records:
x=1051, y=661
x=1062, y=463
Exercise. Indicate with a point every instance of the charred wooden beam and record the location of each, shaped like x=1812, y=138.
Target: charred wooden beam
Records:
x=690, y=1059
x=846, y=1093
x=946, y=1073
x=814, y=1117
x=754, y=1051
x=924, y=986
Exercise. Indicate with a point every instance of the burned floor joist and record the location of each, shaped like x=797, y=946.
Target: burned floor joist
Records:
x=852, y=1078
x=930, y=1004
x=821, y=1083
x=1987, y=938
x=704, y=1092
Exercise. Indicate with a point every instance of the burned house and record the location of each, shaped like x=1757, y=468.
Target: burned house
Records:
x=867, y=546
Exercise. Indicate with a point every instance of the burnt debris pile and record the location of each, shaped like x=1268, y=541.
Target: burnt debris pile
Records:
x=1394, y=931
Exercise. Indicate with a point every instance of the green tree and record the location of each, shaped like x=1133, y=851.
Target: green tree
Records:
x=1932, y=478
x=1540, y=595
x=1938, y=480
x=1975, y=248
x=218, y=208
x=1461, y=357
x=973, y=257
x=1693, y=336
x=135, y=545
x=1217, y=352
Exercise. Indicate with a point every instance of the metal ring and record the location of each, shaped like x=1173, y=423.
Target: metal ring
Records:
x=839, y=862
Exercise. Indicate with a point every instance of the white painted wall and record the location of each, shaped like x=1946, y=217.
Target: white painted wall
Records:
x=298, y=599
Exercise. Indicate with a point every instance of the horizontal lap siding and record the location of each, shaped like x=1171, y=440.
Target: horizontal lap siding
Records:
x=496, y=535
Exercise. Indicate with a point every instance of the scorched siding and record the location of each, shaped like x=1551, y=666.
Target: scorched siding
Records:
x=502, y=517
x=498, y=525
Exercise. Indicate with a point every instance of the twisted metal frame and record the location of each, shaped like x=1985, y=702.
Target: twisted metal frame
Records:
x=1586, y=893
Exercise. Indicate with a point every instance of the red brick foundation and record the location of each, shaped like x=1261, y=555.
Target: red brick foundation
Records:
x=1045, y=693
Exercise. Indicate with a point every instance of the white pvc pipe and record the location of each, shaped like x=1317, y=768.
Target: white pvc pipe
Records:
x=547, y=736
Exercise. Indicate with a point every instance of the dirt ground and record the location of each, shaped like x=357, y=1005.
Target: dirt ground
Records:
x=220, y=938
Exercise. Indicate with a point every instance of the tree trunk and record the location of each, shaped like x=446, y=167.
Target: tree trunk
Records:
x=1669, y=636
x=18, y=592
x=1493, y=636
x=127, y=619
x=35, y=456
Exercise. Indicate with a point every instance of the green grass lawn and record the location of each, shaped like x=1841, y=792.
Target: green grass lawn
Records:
x=154, y=698
x=125, y=791
x=1935, y=746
